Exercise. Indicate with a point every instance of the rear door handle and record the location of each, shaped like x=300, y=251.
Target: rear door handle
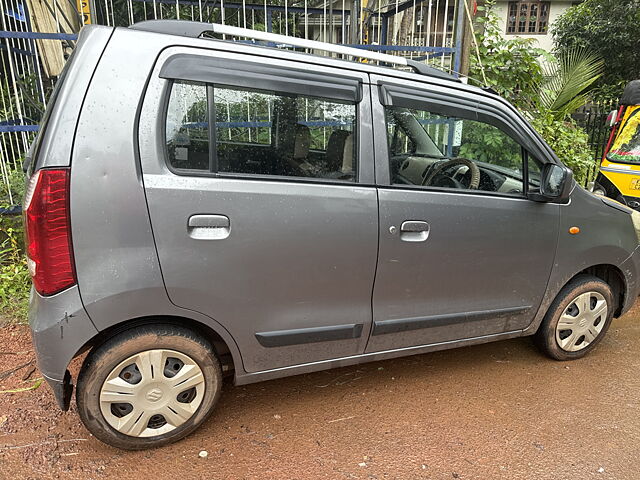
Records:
x=209, y=227
x=414, y=231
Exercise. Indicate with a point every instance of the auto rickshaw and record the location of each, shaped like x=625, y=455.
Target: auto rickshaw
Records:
x=619, y=175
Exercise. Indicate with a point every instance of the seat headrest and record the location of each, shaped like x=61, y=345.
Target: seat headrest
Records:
x=301, y=142
x=347, y=156
x=335, y=150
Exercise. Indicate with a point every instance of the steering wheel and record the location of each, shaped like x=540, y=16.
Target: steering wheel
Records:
x=473, y=168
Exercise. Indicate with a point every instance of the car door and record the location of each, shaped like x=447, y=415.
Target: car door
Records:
x=267, y=221
x=455, y=262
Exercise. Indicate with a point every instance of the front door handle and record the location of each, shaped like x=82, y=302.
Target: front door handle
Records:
x=414, y=231
x=208, y=227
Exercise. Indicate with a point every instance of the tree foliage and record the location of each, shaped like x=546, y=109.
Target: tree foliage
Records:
x=609, y=29
x=509, y=66
x=566, y=80
x=569, y=142
x=484, y=142
x=15, y=280
x=563, y=90
x=546, y=88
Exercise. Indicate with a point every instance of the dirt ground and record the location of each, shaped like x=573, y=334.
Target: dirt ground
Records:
x=494, y=411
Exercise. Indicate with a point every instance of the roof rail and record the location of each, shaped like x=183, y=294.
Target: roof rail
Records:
x=186, y=28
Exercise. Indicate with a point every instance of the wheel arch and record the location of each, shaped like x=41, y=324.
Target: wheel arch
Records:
x=607, y=272
x=612, y=276
x=610, y=188
x=227, y=354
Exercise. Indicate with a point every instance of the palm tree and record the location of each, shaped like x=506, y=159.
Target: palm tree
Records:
x=566, y=80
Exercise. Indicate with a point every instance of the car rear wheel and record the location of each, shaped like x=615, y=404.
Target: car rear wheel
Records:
x=577, y=320
x=148, y=387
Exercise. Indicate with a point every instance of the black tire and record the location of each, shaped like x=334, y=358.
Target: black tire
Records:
x=545, y=337
x=100, y=363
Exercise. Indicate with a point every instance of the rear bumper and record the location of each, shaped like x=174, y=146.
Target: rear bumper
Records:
x=60, y=327
x=62, y=390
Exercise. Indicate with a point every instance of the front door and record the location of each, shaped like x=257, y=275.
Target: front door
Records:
x=463, y=252
x=257, y=207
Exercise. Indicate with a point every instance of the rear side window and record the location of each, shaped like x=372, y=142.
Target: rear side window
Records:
x=260, y=132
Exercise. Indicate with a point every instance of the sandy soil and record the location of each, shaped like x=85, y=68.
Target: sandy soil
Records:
x=494, y=411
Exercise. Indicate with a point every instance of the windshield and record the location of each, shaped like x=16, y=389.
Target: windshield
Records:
x=626, y=146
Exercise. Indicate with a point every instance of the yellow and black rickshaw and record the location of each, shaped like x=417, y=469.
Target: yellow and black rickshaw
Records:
x=619, y=175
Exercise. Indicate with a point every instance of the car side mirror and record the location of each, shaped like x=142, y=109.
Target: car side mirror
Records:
x=555, y=184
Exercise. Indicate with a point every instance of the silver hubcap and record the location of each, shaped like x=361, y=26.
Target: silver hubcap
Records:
x=152, y=393
x=581, y=322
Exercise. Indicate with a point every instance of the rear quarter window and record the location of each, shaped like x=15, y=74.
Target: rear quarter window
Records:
x=187, y=127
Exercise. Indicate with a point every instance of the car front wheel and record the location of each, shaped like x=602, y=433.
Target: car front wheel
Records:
x=577, y=320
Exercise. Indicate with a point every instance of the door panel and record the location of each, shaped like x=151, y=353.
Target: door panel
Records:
x=285, y=263
x=454, y=263
x=297, y=257
x=482, y=270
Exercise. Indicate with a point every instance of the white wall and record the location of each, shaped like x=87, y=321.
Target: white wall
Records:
x=543, y=41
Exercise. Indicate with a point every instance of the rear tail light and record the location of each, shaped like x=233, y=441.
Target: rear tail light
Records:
x=48, y=231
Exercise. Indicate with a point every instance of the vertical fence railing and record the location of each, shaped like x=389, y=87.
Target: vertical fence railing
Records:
x=36, y=36
x=593, y=118
x=23, y=88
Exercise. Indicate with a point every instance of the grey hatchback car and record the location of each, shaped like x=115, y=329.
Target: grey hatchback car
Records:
x=199, y=207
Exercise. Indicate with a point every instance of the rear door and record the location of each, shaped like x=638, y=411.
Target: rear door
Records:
x=456, y=261
x=255, y=172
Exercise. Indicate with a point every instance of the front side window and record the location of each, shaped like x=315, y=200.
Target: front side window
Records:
x=433, y=150
x=259, y=132
x=528, y=18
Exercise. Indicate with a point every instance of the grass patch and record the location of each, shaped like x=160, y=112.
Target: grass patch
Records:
x=15, y=281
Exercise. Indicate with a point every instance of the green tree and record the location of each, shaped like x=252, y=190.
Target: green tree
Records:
x=566, y=80
x=609, y=29
x=546, y=88
x=569, y=142
x=563, y=89
x=510, y=66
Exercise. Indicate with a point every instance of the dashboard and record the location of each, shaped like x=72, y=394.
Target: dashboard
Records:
x=412, y=170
